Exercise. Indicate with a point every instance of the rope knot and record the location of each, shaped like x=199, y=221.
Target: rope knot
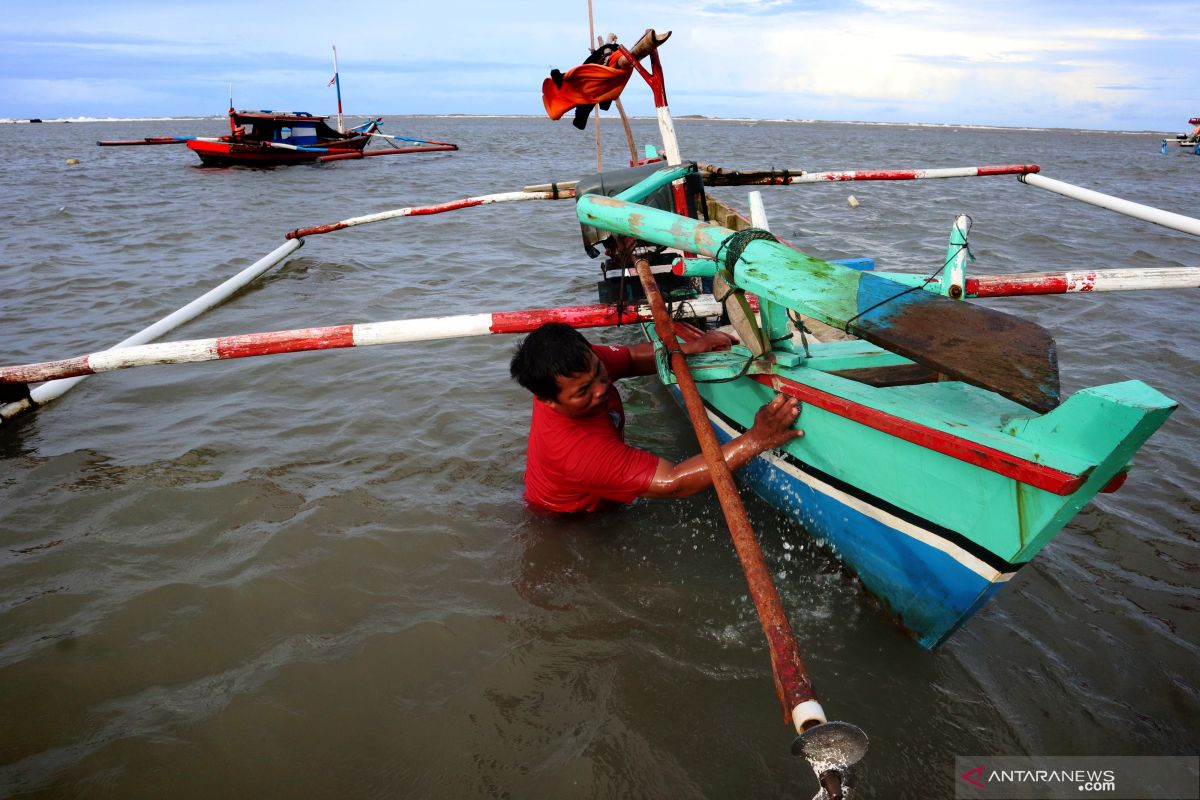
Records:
x=736, y=244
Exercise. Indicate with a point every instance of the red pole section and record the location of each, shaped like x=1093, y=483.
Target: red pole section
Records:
x=1099, y=280
x=791, y=680
x=417, y=211
x=334, y=337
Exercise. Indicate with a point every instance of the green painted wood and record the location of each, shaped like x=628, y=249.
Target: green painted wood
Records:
x=985, y=347
x=1095, y=431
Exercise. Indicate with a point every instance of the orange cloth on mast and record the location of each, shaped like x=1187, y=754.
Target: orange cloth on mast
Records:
x=586, y=84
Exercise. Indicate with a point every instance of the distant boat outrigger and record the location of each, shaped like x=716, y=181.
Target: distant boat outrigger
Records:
x=279, y=138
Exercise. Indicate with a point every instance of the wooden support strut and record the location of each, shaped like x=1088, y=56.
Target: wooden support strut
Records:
x=791, y=680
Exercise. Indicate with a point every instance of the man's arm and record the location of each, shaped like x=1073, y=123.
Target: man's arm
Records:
x=643, y=352
x=773, y=427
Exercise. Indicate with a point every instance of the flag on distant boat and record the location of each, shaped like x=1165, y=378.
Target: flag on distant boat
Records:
x=332, y=81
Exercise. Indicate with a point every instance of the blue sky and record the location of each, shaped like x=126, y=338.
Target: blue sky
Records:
x=1098, y=64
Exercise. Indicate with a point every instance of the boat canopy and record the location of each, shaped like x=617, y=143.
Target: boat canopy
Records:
x=286, y=127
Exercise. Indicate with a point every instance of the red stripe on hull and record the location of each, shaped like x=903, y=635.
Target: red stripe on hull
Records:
x=1028, y=472
x=232, y=153
x=262, y=344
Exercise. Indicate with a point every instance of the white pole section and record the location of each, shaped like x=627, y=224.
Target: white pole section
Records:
x=666, y=127
x=1168, y=219
x=57, y=388
x=758, y=212
x=954, y=271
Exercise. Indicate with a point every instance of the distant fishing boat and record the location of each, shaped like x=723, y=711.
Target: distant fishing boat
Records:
x=279, y=138
x=1191, y=140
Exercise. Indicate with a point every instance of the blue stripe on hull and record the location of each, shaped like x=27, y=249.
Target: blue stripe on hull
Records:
x=930, y=590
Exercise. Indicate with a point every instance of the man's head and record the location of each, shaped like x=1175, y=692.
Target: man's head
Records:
x=557, y=364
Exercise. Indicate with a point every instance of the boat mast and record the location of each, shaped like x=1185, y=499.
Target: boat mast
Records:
x=338, y=83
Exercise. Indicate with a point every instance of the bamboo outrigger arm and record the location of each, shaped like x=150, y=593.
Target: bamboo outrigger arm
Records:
x=1168, y=219
x=58, y=385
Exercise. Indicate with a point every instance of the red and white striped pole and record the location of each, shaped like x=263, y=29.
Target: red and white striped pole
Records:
x=783, y=177
x=716, y=176
x=417, y=211
x=54, y=389
x=338, y=336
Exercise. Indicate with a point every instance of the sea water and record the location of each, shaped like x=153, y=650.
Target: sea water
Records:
x=312, y=575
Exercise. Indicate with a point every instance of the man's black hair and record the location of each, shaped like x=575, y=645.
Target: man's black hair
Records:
x=552, y=350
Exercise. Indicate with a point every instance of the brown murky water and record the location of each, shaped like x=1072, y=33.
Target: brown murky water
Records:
x=312, y=575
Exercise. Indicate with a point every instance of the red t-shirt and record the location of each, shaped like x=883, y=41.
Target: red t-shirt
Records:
x=576, y=464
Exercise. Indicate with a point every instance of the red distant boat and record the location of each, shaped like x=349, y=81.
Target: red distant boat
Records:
x=275, y=138
x=278, y=138
x=272, y=138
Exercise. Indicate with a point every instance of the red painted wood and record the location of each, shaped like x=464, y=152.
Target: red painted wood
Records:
x=915, y=174
x=46, y=370
x=300, y=233
x=1116, y=482
x=1033, y=283
x=1028, y=472
x=1010, y=169
x=593, y=316
x=261, y=344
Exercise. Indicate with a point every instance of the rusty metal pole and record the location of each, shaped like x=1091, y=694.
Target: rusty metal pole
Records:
x=791, y=681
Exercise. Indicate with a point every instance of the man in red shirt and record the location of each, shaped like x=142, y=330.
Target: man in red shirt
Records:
x=577, y=458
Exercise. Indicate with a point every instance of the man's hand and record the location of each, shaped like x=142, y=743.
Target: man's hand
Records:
x=772, y=428
x=773, y=423
x=710, y=341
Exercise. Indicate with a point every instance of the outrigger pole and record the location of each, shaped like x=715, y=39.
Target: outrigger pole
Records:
x=1168, y=219
x=440, y=208
x=338, y=336
x=58, y=385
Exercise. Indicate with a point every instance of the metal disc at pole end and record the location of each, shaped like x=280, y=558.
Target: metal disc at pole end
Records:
x=831, y=745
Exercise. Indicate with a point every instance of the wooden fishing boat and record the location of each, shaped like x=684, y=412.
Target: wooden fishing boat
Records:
x=274, y=138
x=932, y=488
x=279, y=138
